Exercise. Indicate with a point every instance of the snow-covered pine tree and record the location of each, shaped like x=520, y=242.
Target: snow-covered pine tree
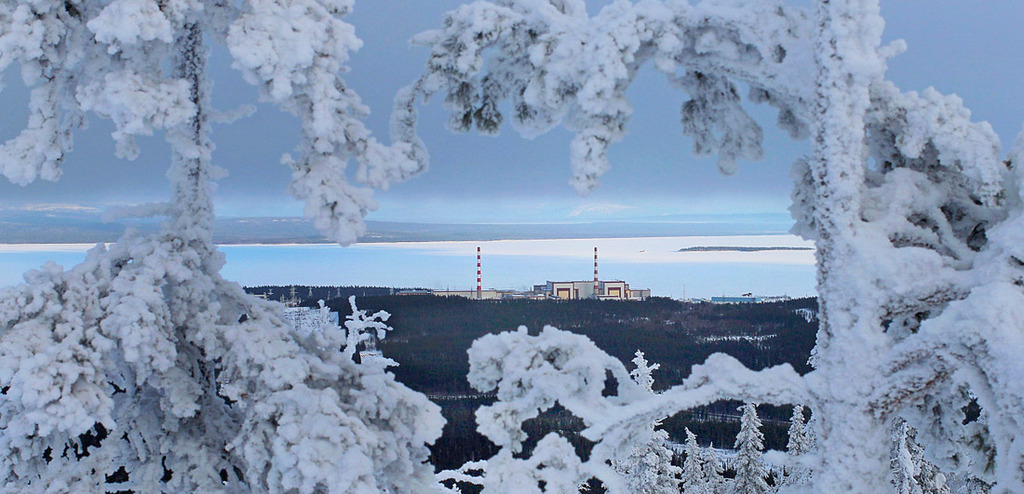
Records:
x=749, y=463
x=799, y=443
x=648, y=469
x=197, y=386
x=916, y=217
x=713, y=470
x=643, y=372
x=694, y=479
x=799, y=438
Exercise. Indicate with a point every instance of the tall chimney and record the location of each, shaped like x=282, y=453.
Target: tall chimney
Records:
x=479, y=287
x=597, y=284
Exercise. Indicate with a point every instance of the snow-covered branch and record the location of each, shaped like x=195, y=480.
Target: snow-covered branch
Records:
x=557, y=66
x=720, y=377
x=294, y=51
x=534, y=373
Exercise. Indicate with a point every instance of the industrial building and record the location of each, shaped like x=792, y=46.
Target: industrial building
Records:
x=578, y=290
x=596, y=289
x=558, y=290
x=736, y=300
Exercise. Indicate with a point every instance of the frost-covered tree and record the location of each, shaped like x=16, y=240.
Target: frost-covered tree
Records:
x=799, y=438
x=693, y=481
x=909, y=236
x=364, y=328
x=531, y=374
x=916, y=216
x=197, y=386
x=643, y=372
x=648, y=469
x=109, y=58
x=699, y=474
x=749, y=463
x=799, y=444
x=713, y=470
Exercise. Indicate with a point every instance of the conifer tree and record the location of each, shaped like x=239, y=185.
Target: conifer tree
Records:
x=695, y=479
x=648, y=469
x=643, y=372
x=713, y=470
x=750, y=473
x=799, y=436
x=799, y=444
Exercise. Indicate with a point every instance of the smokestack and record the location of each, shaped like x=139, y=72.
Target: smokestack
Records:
x=479, y=287
x=597, y=284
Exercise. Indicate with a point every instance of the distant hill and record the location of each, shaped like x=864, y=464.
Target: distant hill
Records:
x=726, y=248
x=86, y=226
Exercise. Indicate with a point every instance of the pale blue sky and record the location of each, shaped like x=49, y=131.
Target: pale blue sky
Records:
x=973, y=49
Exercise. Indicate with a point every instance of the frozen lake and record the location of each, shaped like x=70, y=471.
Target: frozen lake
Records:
x=653, y=262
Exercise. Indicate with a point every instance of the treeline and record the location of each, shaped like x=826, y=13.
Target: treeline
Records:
x=309, y=294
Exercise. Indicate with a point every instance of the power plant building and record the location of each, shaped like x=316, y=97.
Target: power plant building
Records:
x=736, y=300
x=559, y=290
x=579, y=290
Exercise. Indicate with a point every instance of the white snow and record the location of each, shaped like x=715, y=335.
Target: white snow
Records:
x=631, y=250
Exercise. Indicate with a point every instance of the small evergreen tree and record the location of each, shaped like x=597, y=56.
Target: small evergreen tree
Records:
x=648, y=469
x=643, y=373
x=694, y=478
x=713, y=470
x=799, y=437
x=750, y=474
x=799, y=443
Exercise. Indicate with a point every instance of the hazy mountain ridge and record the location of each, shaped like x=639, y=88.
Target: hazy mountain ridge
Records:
x=47, y=227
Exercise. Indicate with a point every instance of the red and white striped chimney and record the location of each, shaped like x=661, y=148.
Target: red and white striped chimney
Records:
x=479, y=286
x=597, y=284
